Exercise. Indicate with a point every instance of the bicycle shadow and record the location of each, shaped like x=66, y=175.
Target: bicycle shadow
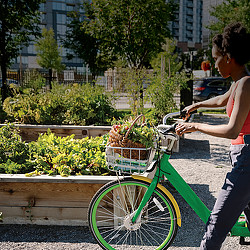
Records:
x=201, y=150
x=192, y=227
x=193, y=149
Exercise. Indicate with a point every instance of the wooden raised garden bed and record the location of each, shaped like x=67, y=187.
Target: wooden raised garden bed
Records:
x=47, y=200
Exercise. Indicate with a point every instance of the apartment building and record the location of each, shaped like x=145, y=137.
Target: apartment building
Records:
x=187, y=28
x=53, y=15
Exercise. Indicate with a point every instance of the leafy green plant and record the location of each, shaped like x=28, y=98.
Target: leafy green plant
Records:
x=51, y=154
x=10, y=167
x=48, y=53
x=64, y=104
x=33, y=81
x=161, y=92
x=132, y=82
x=66, y=156
x=12, y=147
x=143, y=133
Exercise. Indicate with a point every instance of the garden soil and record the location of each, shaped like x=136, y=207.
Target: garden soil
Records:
x=202, y=161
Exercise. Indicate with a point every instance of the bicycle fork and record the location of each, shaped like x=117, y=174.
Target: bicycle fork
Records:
x=145, y=199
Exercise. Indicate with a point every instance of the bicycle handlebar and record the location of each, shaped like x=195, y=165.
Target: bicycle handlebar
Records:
x=165, y=129
x=180, y=114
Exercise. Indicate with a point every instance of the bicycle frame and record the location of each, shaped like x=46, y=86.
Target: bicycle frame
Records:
x=167, y=170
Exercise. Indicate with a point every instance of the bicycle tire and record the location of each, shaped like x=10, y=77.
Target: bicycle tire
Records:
x=111, y=226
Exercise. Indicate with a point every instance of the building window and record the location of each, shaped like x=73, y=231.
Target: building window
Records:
x=61, y=29
x=58, y=6
x=31, y=49
x=24, y=59
x=70, y=7
x=61, y=18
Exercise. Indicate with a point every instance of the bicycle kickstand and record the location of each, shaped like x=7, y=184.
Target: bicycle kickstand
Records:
x=243, y=242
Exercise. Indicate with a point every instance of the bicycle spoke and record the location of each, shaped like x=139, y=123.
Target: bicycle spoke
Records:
x=122, y=237
x=108, y=212
x=113, y=231
x=149, y=236
x=129, y=197
x=129, y=233
x=119, y=205
x=157, y=234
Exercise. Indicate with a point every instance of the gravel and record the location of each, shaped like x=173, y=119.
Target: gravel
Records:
x=202, y=161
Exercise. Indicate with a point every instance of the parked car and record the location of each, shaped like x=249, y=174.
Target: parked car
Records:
x=210, y=87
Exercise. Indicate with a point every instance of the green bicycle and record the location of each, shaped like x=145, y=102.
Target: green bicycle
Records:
x=136, y=212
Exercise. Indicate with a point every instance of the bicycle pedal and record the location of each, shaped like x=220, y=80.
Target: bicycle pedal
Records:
x=243, y=242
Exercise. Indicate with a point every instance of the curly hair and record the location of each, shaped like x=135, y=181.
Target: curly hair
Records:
x=235, y=42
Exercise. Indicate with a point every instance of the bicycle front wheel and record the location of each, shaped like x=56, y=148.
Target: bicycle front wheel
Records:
x=111, y=211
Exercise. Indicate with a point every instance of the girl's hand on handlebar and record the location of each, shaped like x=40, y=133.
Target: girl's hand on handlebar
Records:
x=183, y=128
x=187, y=111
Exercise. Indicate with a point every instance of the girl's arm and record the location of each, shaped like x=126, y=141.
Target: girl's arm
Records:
x=239, y=114
x=218, y=101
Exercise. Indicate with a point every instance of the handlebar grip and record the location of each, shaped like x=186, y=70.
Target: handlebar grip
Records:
x=171, y=128
x=183, y=113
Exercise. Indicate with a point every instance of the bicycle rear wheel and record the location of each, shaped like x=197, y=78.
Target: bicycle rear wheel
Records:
x=111, y=211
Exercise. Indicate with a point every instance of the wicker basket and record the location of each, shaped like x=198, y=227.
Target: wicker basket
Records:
x=117, y=140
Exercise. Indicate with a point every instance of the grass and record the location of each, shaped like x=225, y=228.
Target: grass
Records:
x=213, y=111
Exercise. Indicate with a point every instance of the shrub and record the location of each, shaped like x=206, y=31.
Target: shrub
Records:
x=11, y=167
x=64, y=104
x=12, y=147
x=161, y=93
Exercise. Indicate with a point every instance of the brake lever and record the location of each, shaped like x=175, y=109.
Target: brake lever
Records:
x=183, y=114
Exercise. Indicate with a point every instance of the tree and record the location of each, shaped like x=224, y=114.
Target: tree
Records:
x=161, y=92
x=168, y=78
x=84, y=45
x=230, y=11
x=48, y=53
x=167, y=61
x=133, y=31
x=19, y=21
x=227, y=12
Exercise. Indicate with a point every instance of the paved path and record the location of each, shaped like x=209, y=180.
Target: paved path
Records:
x=203, y=163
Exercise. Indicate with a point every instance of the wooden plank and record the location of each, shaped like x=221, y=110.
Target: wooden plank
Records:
x=45, y=215
x=91, y=179
x=30, y=132
x=47, y=194
x=97, y=132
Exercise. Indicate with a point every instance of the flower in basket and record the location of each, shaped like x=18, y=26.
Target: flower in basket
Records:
x=130, y=134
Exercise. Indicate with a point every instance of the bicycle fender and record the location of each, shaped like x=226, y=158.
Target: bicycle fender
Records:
x=167, y=193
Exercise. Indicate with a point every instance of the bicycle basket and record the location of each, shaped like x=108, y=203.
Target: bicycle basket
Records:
x=116, y=160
